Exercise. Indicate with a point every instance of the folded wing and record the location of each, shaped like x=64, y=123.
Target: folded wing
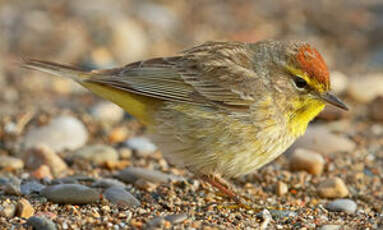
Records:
x=213, y=74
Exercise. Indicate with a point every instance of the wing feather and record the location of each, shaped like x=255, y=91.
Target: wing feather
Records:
x=215, y=73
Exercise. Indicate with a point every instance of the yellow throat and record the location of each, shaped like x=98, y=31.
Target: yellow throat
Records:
x=304, y=112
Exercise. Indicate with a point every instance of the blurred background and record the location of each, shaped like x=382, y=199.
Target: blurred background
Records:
x=108, y=33
x=100, y=34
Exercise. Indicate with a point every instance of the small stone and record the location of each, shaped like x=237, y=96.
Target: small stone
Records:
x=70, y=194
x=342, y=205
x=145, y=185
x=161, y=220
x=142, y=145
x=107, y=112
x=320, y=139
x=10, y=94
x=117, y=165
x=129, y=40
x=3, y=181
x=42, y=172
x=306, y=160
x=177, y=218
x=8, y=210
x=282, y=214
x=330, y=227
x=97, y=154
x=162, y=19
x=61, y=133
x=156, y=222
x=132, y=174
x=24, y=209
x=332, y=188
x=125, y=153
x=376, y=109
x=365, y=89
x=31, y=187
x=118, y=134
x=339, y=82
x=41, y=223
x=101, y=57
x=73, y=179
x=107, y=183
x=281, y=188
x=122, y=198
x=43, y=155
x=12, y=187
x=11, y=163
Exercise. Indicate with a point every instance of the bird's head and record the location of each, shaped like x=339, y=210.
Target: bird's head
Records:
x=310, y=75
x=300, y=77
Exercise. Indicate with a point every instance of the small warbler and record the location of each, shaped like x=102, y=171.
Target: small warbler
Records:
x=220, y=108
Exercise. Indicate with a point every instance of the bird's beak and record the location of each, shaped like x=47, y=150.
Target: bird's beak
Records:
x=333, y=100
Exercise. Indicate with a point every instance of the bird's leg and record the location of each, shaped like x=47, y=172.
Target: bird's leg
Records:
x=241, y=202
x=217, y=183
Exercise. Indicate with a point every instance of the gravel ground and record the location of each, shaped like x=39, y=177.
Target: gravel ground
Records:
x=69, y=160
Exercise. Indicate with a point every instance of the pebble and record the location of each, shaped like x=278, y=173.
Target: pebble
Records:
x=365, y=89
x=97, y=154
x=41, y=223
x=132, y=174
x=321, y=140
x=333, y=188
x=118, y=134
x=161, y=18
x=122, y=198
x=8, y=210
x=42, y=172
x=31, y=187
x=125, y=153
x=117, y=165
x=142, y=145
x=266, y=219
x=330, y=227
x=281, y=189
x=376, y=109
x=177, y=218
x=107, y=183
x=73, y=179
x=281, y=214
x=70, y=194
x=307, y=160
x=145, y=185
x=44, y=155
x=107, y=112
x=3, y=181
x=342, y=205
x=129, y=40
x=64, y=132
x=173, y=219
x=24, y=209
x=339, y=82
x=12, y=187
x=11, y=163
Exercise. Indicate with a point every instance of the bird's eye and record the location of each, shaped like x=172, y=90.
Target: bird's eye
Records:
x=300, y=83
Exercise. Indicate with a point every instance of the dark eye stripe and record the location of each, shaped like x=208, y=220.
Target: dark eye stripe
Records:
x=300, y=82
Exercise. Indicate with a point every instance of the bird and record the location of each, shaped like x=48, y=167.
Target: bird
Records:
x=219, y=109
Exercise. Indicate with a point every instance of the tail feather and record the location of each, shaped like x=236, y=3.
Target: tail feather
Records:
x=56, y=69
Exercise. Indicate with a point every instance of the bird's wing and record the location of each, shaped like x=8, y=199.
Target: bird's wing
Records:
x=213, y=74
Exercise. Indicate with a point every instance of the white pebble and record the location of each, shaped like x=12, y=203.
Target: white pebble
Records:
x=366, y=88
x=61, y=133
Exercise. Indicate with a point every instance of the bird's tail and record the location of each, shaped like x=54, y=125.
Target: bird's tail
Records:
x=56, y=69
